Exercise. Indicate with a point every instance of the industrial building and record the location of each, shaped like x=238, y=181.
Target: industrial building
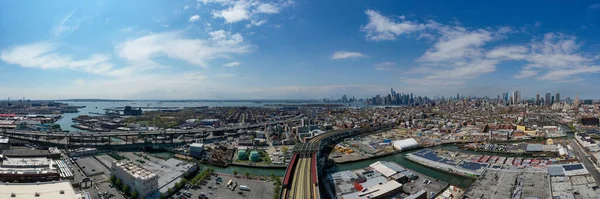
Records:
x=30, y=166
x=28, y=170
x=380, y=180
x=196, y=149
x=405, y=144
x=4, y=145
x=137, y=178
x=43, y=190
x=22, y=153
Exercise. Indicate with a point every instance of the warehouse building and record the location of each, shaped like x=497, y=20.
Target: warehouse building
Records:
x=44, y=190
x=137, y=178
x=405, y=144
x=196, y=149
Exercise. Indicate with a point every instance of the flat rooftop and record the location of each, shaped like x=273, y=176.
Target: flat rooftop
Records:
x=26, y=153
x=49, y=190
x=26, y=162
x=134, y=170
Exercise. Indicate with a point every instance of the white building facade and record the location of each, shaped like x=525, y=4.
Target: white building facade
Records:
x=137, y=178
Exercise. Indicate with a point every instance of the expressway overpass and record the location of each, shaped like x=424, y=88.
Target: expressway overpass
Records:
x=135, y=139
x=307, y=165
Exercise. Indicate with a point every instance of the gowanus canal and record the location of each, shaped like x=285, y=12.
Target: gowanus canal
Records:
x=457, y=180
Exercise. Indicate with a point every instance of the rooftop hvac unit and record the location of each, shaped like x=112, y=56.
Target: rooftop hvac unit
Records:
x=62, y=191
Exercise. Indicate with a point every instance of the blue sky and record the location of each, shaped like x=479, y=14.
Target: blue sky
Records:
x=292, y=49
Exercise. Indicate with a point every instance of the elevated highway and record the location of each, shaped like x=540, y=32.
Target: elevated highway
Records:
x=307, y=164
x=133, y=138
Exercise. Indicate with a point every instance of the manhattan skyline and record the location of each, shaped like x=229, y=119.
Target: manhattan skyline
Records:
x=220, y=49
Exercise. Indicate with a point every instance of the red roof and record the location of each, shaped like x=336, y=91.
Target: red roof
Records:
x=8, y=115
x=358, y=186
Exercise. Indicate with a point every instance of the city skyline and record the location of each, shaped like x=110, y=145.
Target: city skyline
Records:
x=283, y=49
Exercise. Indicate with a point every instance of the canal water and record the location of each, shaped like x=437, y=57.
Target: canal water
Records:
x=398, y=158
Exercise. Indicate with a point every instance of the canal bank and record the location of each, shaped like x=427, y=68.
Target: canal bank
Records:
x=399, y=158
x=457, y=180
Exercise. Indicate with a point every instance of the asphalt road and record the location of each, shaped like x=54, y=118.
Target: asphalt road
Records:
x=584, y=158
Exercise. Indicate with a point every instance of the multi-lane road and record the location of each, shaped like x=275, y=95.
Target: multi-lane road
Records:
x=584, y=158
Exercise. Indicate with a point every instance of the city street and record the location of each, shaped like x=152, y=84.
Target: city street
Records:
x=585, y=160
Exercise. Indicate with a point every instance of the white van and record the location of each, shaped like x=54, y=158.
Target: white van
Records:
x=244, y=188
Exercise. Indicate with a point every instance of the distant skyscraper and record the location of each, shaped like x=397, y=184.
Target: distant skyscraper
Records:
x=552, y=102
x=576, y=102
x=457, y=96
x=516, y=97
x=537, y=99
x=557, y=98
x=548, y=98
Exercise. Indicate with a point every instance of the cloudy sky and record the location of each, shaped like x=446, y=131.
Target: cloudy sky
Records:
x=296, y=49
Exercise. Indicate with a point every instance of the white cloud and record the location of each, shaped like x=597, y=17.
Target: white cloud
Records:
x=237, y=12
x=594, y=6
x=194, y=18
x=382, y=28
x=346, y=55
x=223, y=75
x=525, y=74
x=457, y=56
x=267, y=8
x=457, y=44
x=186, y=7
x=256, y=23
x=232, y=64
x=176, y=46
x=234, y=11
x=556, y=57
x=385, y=66
x=45, y=55
x=510, y=52
x=65, y=26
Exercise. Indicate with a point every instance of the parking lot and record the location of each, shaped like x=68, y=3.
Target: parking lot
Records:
x=105, y=187
x=258, y=189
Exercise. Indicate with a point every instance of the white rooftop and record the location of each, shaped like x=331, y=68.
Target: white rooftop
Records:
x=50, y=190
x=134, y=170
x=374, y=191
x=26, y=162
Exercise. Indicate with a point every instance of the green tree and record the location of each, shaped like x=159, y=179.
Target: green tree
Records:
x=126, y=189
x=273, y=177
x=134, y=194
x=284, y=149
x=170, y=191
x=118, y=182
x=247, y=174
x=235, y=172
x=184, y=181
x=113, y=178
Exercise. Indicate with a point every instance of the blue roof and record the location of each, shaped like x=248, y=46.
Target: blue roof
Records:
x=472, y=165
x=431, y=155
x=570, y=167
